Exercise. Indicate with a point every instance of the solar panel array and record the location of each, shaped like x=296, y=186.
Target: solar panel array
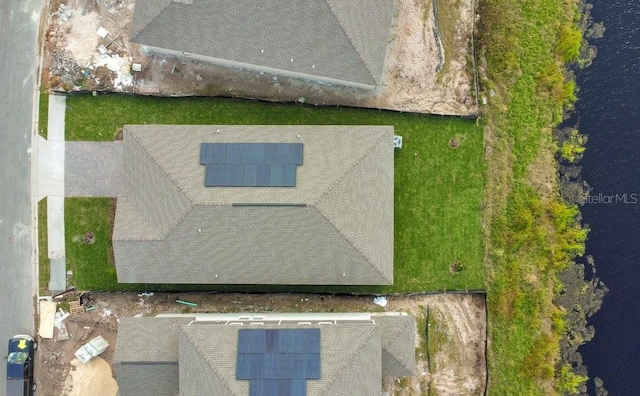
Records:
x=278, y=361
x=250, y=164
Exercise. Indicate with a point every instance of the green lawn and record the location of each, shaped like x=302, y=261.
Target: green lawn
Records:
x=43, y=249
x=438, y=189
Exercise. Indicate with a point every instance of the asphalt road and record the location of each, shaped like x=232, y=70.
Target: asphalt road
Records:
x=19, y=20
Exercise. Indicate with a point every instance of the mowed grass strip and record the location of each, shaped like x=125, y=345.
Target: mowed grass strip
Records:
x=438, y=189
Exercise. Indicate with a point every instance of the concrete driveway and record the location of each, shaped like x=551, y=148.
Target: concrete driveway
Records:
x=93, y=169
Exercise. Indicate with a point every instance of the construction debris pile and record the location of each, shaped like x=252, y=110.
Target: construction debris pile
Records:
x=87, y=46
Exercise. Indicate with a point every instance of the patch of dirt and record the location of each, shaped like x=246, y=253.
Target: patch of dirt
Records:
x=459, y=372
x=412, y=80
x=458, y=369
x=93, y=378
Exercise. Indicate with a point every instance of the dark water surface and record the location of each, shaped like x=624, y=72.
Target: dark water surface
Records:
x=609, y=113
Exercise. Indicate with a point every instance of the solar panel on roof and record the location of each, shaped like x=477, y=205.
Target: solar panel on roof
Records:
x=271, y=153
x=251, y=164
x=264, y=176
x=250, y=175
x=237, y=175
x=244, y=341
x=271, y=344
x=232, y=153
x=312, y=341
x=277, y=175
x=257, y=388
x=296, y=154
x=312, y=365
x=211, y=175
x=224, y=174
x=278, y=361
x=244, y=153
x=257, y=153
x=284, y=153
x=203, y=153
x=219, y=154
x=298, y=387
x=271, y=365
x=289, y=176
x=243, y=367
x=258, y=339
x=284, y=388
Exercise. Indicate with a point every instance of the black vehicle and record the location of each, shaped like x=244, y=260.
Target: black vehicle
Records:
x=20, y=366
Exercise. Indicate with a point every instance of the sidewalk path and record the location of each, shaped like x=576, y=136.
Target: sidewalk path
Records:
x=51, y=185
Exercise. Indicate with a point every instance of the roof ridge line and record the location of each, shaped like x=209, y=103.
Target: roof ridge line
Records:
x=350, y=243
x=366, y=65
x=360, y=347
x=171, y=181
x=159, y=11
x=339, y=180
x=195, y=345
x=336, y=183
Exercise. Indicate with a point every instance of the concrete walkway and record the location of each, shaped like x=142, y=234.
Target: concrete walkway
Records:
x=93, y=169
x=51, y=185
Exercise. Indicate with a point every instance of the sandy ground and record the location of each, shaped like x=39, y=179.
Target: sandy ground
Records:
x=93, y=378
x=412, y=80
x=457, y=369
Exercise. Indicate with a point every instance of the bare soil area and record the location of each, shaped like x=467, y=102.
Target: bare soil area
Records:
x=458, y=369
x=429, y=65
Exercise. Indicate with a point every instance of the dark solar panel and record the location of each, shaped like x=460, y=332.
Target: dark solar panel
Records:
x=250, y=175
x=296, y=154
x=232, y=153
x=277, y=176
x=272, y=340
x=244, y=153
x=278, y=361
x=257, y=153
x=219, y=153
x=243, y=367
x=289, y=176
x=264, y=176
x=258, y=338
x=224, y=174
x=312, y=365
x=270, y=387
x=271, y=366
x=298, y=387
x=257, y=388
x=298, y=370
x=211, y=175
x=203, y=153
x=312, y=341
x=250, y=164
x=257, y=365
x=271, y=153
x=284, y=388
x=237, y=175
x=284, y=153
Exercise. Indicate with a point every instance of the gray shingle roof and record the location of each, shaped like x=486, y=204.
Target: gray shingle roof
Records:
x=156, y=379
x=167, y=221
x=334, y=39
x=352, y=356
x=398, y=344
x=146, y=356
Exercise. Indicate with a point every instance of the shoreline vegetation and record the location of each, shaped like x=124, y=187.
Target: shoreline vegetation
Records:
x=538, y=298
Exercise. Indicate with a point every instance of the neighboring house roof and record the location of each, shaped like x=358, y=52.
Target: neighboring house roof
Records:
x=334, y=39
x=146, y=356
x=351, y=355
x=169, y=228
